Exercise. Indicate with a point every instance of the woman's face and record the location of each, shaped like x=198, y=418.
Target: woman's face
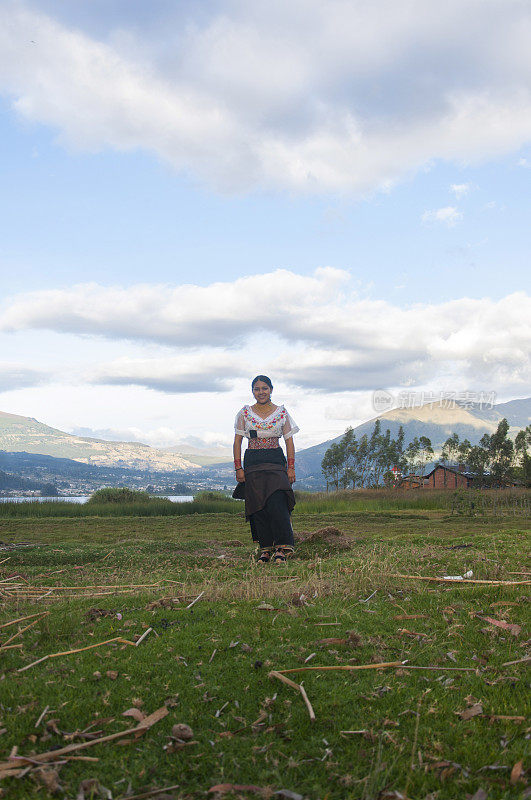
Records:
x=261, y=392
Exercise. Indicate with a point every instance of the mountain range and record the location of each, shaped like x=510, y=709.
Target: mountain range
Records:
x=432, y=420
x=20, y=434
x=26, y=434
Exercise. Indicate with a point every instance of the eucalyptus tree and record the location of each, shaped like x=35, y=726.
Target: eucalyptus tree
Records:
x=419, y=453
x=522, y=443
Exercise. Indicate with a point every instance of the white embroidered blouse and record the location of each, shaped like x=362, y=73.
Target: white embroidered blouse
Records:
x=278, y=423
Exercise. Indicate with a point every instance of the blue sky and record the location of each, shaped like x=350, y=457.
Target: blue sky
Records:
x=112, y=217
x=161, y=165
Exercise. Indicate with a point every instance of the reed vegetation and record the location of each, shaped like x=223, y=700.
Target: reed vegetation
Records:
x=110, y=503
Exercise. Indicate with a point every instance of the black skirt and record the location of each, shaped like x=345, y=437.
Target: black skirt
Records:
x=265, y=473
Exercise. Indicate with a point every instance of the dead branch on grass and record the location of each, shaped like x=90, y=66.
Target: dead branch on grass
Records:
x=199, y=596
x=51, y=755
x=22, y=619
x=143, y=637
x=344, y=667
x=19, y=633
x=524, y=660
x=76, y=650
x=298, y=687
x=464, y=580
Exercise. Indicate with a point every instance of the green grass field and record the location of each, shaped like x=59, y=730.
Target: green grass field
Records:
x=378, y=733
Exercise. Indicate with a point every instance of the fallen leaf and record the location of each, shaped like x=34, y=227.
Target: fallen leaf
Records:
x=135, y=713
x=51, y=725
x=405, y=632
x=481, y=794
x=331, y=640
x=261, y=607
x=447, y=773
x=112, y=674
x=506, y=626
x=517, y=772
x=471, y=711
x=287, y=794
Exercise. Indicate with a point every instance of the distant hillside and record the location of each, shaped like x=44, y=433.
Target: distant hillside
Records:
x=10, y=483
x=203, y=457
x=25, y=434
x=429, y=420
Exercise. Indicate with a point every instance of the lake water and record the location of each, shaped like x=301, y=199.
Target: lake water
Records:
x=175, y=498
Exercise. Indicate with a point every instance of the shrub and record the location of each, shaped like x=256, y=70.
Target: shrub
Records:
x=118, y=495
x=208, y=496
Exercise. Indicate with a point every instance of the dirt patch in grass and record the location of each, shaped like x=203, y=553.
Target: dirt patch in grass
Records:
x=323, y=542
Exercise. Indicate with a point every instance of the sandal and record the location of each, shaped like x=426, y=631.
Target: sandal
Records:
x=282, y=553
x=265, y=555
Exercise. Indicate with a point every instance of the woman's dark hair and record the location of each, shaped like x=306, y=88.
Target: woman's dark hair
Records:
x=263, y=378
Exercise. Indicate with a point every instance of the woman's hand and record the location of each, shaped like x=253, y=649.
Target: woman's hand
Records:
x=240, y=475
x=291, y=474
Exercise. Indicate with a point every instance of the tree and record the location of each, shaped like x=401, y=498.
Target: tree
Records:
x=450, y=451
x=419, y=453
x=366, y=462
x=493, y=459
x=332, y=464
x=522, y=458
x=501, y=454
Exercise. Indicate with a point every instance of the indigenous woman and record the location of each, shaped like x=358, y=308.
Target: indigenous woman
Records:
x=264, y=481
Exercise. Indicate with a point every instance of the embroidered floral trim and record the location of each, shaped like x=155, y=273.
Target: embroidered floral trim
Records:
x=269, y=443
x=268, y=423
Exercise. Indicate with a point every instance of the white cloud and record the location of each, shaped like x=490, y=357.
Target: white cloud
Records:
x=449, y=215
x=188, y=373
x=309, y=96
x=185, y=315
x=18, y=376
x=313, y=332
x=460, y=189
x=524, y=162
